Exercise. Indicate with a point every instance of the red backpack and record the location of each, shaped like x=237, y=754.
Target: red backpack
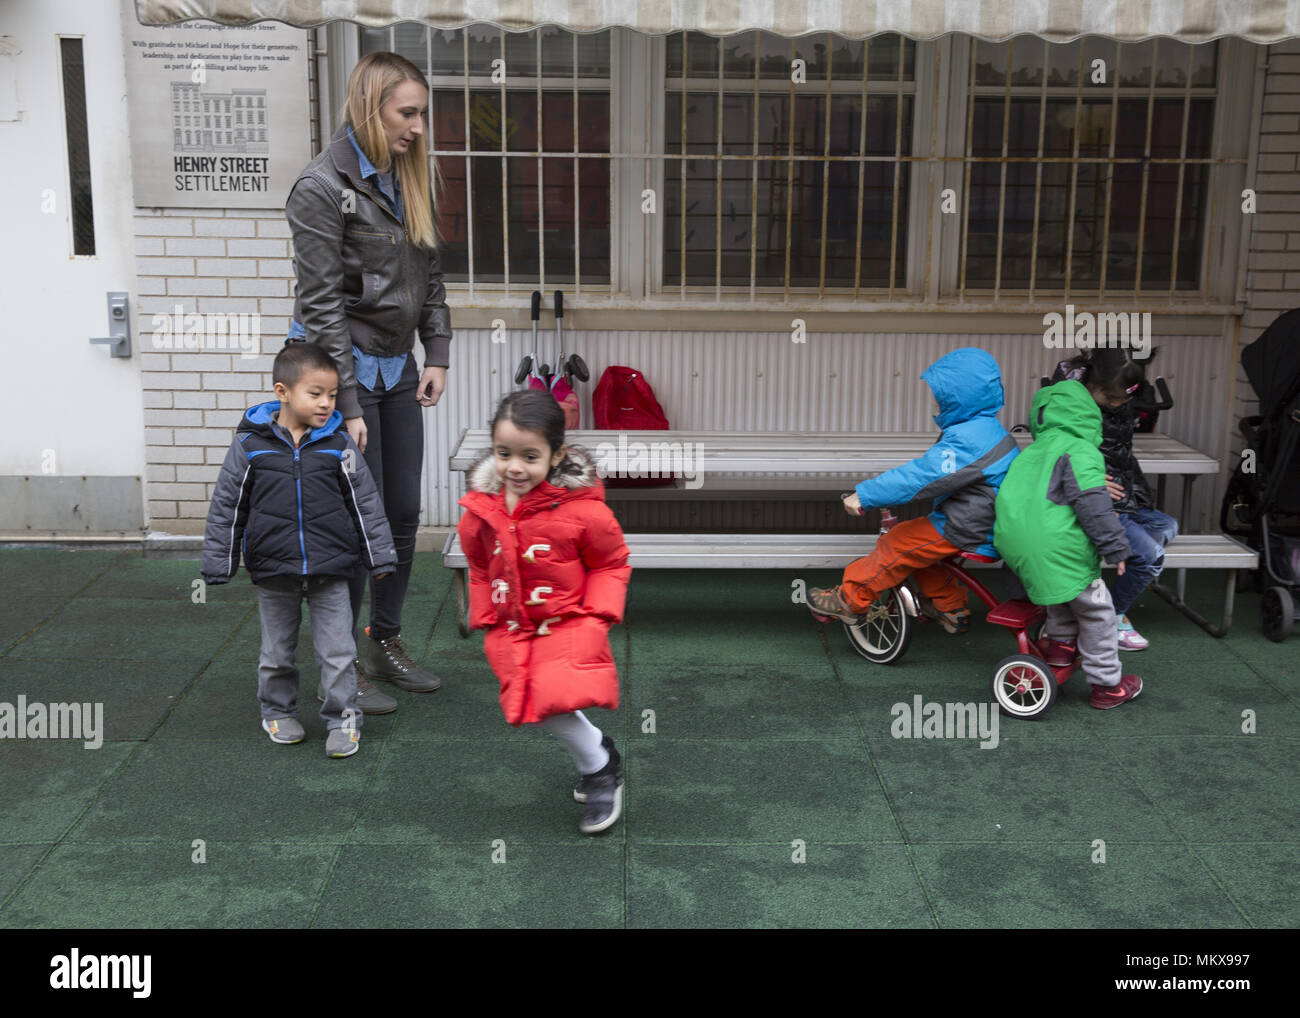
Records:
x=624, y=401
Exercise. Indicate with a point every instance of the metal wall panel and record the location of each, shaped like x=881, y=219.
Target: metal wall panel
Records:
x=734, y=381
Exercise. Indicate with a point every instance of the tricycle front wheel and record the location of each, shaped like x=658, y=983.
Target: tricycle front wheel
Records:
x=885, y=632
x=1023, y=686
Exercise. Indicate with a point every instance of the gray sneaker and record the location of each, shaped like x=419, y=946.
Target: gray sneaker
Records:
x=601, y=793
x=283, y=731
x=369, y=699
x=342, y=742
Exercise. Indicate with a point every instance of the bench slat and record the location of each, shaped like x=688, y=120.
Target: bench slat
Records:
x=789, y=456
x=834, y=551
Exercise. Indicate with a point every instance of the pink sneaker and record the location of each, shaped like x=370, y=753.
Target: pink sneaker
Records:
x=1105, y=697
x=1130, y=638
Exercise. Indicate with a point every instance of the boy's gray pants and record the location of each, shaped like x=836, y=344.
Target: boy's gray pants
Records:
x=279, y=600
x=1089, y=618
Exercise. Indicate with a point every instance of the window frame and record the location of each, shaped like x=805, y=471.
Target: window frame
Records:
x=938, y=160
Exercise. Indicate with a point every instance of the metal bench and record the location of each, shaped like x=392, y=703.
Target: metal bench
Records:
x=790, y=465
x=835, y=551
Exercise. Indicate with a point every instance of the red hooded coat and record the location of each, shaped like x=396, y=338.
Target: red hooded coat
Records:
x=546, y=582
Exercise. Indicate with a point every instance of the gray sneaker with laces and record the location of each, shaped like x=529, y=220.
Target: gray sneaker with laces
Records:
x=342, y=742
x=283, y=731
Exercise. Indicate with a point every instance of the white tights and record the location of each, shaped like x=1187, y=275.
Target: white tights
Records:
x=581, y=738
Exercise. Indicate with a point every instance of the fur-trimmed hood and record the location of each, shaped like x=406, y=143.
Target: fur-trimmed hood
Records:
x=576, y=470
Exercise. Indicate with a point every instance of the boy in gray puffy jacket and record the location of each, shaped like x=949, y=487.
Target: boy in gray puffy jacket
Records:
x=296, y=499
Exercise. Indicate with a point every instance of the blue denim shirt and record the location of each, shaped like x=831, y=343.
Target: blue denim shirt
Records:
x=369, y=367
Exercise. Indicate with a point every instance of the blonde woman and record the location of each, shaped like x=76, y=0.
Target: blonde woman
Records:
x=369, y=281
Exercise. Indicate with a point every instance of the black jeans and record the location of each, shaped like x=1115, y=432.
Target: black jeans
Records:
x=395, y=455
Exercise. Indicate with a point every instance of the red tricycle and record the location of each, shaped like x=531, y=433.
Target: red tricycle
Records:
x=1024, y=684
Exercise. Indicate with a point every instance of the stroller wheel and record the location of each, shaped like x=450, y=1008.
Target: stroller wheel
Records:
x=521, y=372
x=1023, y=686
x=577, y=367
x=1277, y=613
x=546, y=372
x=882, y=637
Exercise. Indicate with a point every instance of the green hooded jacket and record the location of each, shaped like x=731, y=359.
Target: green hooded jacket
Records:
x=1055, y=521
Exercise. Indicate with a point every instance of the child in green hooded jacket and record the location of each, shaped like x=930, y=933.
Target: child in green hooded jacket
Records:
x=1054, y=524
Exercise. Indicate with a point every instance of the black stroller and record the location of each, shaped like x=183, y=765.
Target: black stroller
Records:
x=1262, y=503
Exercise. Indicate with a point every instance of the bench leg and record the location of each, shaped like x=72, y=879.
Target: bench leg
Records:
x=1176, y=599
x=462, y=602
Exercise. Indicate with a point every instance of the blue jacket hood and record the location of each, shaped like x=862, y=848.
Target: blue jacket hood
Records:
x=262, y=414
x=966, y=383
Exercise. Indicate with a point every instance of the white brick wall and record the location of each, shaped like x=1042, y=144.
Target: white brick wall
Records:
x=232, y=261
x=1273, y=266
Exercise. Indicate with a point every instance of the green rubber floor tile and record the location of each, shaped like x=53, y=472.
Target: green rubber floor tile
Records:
x=1196, y=702
x=222, y=706
x=752, y=791
x=16, y=861
x=1058, y=886
x=135, y=695
x=173, y=791
x=56, y=572
x=128, y=886
x=460, y=886
x=166, y=580
x=727, y=701
x=101, y=627
x=695, y=634
x=22, y=613
x=517, y=788
x=1261, y=879
x=747, y=886
x=952, y=790
x=1237, y=788
x=48, y=784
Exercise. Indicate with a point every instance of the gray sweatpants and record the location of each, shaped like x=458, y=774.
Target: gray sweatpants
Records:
x=279, y=600
x=1090, y=619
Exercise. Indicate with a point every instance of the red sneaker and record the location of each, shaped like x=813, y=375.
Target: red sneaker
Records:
x=1059, y=654
x=1105, y=697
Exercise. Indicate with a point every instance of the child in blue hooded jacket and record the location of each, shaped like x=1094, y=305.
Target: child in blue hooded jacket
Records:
x=961, y=472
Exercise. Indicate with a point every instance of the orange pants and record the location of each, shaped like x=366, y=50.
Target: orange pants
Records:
x=910, y=547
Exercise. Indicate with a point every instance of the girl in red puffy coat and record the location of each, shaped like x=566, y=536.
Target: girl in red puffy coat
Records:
x=548, y=576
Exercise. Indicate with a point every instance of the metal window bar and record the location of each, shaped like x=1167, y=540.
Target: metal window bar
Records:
x=1072, y=201
x=505, y=177
x=862, y=167
x=789, y=174
x=577, y=194
x=753, y=191
x=898, y=166
x=1002, y=187
x=1146, y=166
x=1038, y=176
x=826, y=165
x=541, y=178
x=967, y=210
x=681, y=170
x=1182, y=167
x=717, y=200
x=1110, y=168
x=469, y=167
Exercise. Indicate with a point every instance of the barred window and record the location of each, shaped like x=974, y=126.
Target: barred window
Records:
x=786, y=175
x=520, y=123
x=1089, y=165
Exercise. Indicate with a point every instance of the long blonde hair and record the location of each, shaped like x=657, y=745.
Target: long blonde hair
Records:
x=370, y=85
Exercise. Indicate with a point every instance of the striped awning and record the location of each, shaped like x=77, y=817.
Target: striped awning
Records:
x=1263, y=21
